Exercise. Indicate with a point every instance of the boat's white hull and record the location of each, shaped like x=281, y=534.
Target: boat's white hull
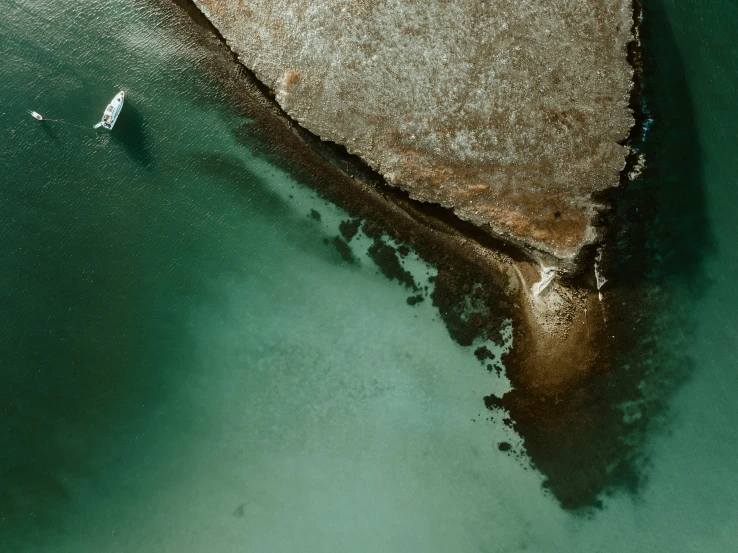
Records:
x=112, y=111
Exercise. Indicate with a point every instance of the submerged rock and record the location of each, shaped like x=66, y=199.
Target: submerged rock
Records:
x=513, y=114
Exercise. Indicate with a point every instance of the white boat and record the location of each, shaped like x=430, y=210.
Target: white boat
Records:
x=112, y=112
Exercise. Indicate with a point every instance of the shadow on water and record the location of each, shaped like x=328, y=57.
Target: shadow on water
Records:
x=49, y=131
x=595, y=440
x=130, y=132
x=253, y=189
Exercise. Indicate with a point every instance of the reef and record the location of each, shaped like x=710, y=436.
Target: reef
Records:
x=485, y=137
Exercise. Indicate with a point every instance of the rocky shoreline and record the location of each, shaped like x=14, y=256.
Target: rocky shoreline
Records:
x=561, y=338
x=513, y=116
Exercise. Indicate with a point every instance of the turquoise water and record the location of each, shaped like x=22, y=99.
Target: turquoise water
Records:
x=187, y=366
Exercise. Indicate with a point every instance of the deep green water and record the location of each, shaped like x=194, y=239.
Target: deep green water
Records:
x=185, y=365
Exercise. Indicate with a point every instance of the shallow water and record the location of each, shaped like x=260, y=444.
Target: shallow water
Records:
x=187, y=365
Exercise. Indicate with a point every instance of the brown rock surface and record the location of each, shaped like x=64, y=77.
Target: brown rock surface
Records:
x=511, y=113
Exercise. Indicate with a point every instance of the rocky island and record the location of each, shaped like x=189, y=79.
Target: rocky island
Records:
x=511, y=114
x=512, y=119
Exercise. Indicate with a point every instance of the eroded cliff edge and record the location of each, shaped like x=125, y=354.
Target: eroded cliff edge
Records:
x=513, y=114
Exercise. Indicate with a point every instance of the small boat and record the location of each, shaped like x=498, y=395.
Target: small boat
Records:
x=112, y=111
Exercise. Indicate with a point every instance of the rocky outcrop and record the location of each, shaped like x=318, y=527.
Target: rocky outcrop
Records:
x=513, y=114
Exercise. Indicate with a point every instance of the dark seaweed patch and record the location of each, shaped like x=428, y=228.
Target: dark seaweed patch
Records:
x=385, y=256
x=343, y=249
x=469, y=311
x=315, y=214
x=483, y=353
x=414, y=300
x=349, y=228
x=496, y=368
x=493, y=402
x=504, y=446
